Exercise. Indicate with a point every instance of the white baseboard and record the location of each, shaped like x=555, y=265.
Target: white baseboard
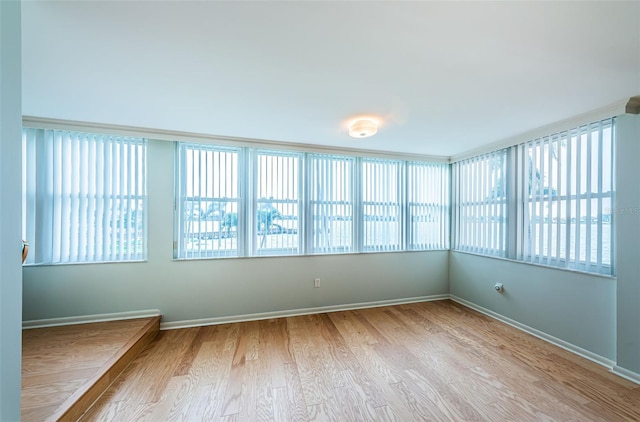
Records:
x=296, y=312
x=540, y=334
x=87, y=319
x=626, y=374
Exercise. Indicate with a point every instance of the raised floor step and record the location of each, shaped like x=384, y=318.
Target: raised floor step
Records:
x=65, y=369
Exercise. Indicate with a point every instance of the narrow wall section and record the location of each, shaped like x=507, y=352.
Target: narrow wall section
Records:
x=10, y=211
x=627, y=215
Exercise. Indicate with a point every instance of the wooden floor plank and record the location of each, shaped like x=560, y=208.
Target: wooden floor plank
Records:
x=384, y=414
x=315, y=367
x=65, y=368
x=321, y=413
x=422, y=361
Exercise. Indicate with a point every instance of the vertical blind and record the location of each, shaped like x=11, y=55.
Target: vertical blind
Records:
x=331, y=203
x=480, y=204
x=84, y=196
x=568, y=183
x=551, y=197
x=249, y=202
x=382, y=194
x=547, y=201
x=428, y=205
x=209, y=201
x=278, y=201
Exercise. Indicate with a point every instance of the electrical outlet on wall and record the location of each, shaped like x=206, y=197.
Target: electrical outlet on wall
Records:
x=316, y=283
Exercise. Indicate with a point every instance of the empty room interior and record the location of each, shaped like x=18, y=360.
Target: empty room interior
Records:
x=312, y=210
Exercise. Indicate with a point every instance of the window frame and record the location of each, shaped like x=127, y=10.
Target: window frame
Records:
x=253, y=232
x=304, y=200
x=180, y=251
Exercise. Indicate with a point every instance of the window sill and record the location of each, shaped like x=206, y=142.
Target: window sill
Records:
x=571, y=270
x=204, y=258
x=58, y=264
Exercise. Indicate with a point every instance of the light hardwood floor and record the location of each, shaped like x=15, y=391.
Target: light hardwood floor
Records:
x=423, y=361
x=65, y=369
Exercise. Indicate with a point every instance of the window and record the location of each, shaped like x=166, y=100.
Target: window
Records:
x=278, y=203
x=241, y=201
x=480, y=200
x=331, y=192
x=84, y=197
x=209, y=201
x=567, y=180
x=559, y=191
x=382, y=188
x=428, y=205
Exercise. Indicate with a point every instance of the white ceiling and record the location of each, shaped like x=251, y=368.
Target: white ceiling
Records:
x=444, y=77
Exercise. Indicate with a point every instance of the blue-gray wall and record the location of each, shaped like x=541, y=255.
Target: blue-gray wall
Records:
x=577, y=308
x=628, y=242
x=10, y=211
x=186, y=290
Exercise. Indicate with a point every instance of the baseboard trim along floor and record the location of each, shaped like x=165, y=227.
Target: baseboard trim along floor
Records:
x=537, y=333
x=296, y=312
x=88, y=319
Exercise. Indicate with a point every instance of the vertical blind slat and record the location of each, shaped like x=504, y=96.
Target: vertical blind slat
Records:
x=549, y=205
x=600, y=207
x=588, y=203
x=567, y=257
x=578, y=188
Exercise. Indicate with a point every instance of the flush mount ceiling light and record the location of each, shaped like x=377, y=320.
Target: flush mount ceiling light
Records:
x=363, y=128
